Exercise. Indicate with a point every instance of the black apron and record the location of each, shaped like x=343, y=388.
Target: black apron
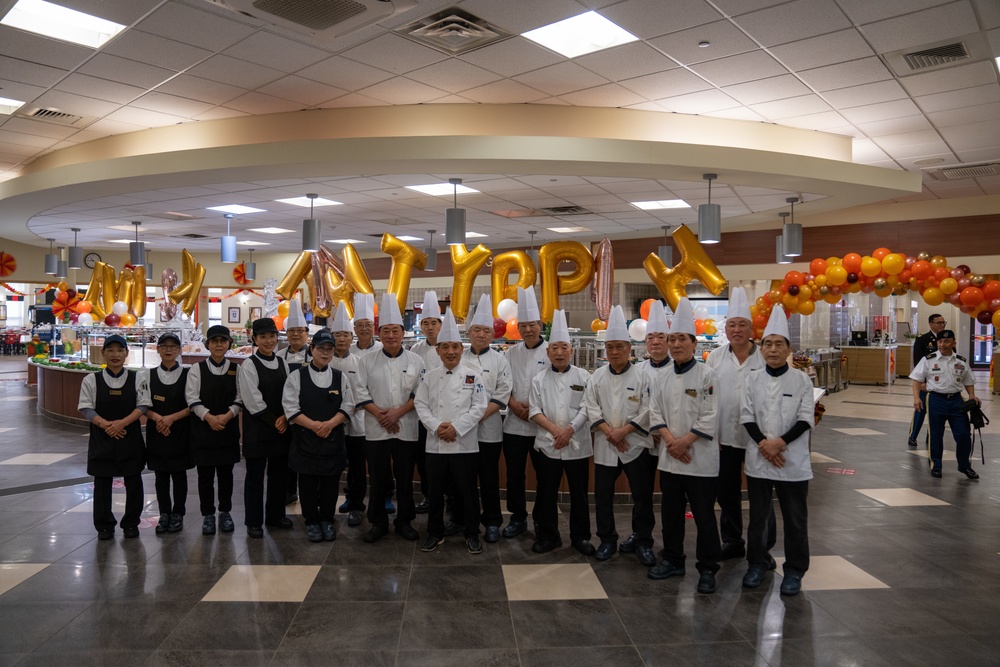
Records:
x=310, y=454
x=168, y=453
x=106, y=456
x=217, y=393
x=260, y=438
x=294, y=366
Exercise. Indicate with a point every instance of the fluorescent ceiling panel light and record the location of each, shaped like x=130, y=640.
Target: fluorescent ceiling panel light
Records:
x=579, y=35
x=441, y=189
x=474, y=235
x=129, y=228
x=410, y=238
x=660, y=204
x=251, y=243
x=305, y=201
x=344, y=241
x=236, y=209
x=9, y=106
x=569, y=230
x=271, y=230
x=127, y=240
x=62, y=23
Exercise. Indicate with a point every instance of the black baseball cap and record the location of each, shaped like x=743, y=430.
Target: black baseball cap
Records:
x=168, y=336
x=114, y=339
x=219, y=331
x=946, y=333
x=323, y=337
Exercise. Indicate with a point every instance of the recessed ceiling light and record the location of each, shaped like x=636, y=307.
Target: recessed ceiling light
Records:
x=474, y=235
x=660, y=204
x=569, y=230
x=305, y=201
x=68, y=25
x=410, y=238
x=236, y=209
x=441, y=189
x=128, y=240
x=251, y=243
x=130, y=228
x=9, y=106
x=271, y=230
x=576, y=36
x=343, y=241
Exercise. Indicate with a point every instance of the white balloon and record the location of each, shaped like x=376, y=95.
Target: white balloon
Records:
x=120, y=308
x=85, y=320
x=637, y=329
x=700, y=313
x=507, y=310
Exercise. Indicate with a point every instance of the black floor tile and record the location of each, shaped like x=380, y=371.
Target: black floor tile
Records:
x=339, y=625
x=183, y=658
x=458, y=624
x=567, y=623
x=26, y=624
x=675, y=620
x=459, y=582
x=121, y=625
x=239, y=626
x=731, y=654
x=360, y=583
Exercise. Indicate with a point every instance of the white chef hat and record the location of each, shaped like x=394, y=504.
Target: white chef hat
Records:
x=431, y=307
x=483, y=316
x=738, y=307
x=616, y=326
x=389, y=313
x=683, y=318
x=777, y=323
x=341, y=322
x=559, y=332
x=364, y=307
x=449, y=329
x=657, y=322
x=295, y=319
x=527, y=305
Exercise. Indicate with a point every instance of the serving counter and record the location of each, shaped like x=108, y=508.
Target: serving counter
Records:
x=869, y=365
x=58, y=391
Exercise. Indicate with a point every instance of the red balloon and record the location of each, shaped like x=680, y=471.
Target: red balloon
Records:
x=70, y=293
x=499, y=327
x=817, y=266
x=971, y=296
x=112, y=320
x=921, y=269
x=991, y=289
x=880, y=253
x=794, y=278
x=852, y=262
x=985, y=317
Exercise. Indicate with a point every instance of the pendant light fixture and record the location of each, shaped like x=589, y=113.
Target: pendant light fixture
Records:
x=250, y=269
x=532, y=253
x=228, y=245
x=779, y=249
x=136, y=249
x=454, y=231
x=432, y=256
x=62, y=270
x=76, y=252
x=51, y=260
x=310, y=228
x=709, y=216
x=149, y=265
x=666, y=252
x=791, y=233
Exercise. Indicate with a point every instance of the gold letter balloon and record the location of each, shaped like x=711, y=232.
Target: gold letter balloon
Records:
x=404, y=259
x=465, y=266
x=694, y=263
x=549, y=257
x=505, y=264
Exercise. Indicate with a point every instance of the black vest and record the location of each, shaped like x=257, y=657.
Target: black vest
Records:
x=168, y=453
x=217, y=393
x=310, y=454
x=106, y=456
x=260, y=438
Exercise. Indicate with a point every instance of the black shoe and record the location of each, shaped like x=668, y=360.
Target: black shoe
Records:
x=354, y=518
x=791, y=584
x=375, y=534
x=422, y=506
x=291, y=498
x=545, y=546
x=911, y=443
x=772, y=564
x=255, y=532
x=431, y=543
x=645, y=555
x=314, y=533
x=390, y=507
x=452, y=528
x=345, y=507
x=131, y=532
x=936, y=473
x=584, y=547
x=706, y=583
x=284, y=523
x=605, y=551
x=176, y=524
x=407, y=532
x=226, y=524
x=732, y=550
x=970, y=473
x=492, y=534
x=628, y=545
x=515, y=528
x=106, y=533
x=208, y=524
x=665, y=570
x=329, y=531
x=754, y=576
x=162, y=524
x=473, y=545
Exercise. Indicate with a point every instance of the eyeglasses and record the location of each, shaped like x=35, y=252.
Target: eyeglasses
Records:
x=939, y=322
x=297, y=331
x=169, y=347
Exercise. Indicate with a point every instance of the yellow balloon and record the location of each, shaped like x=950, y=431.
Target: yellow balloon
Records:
x=465, y=266
x=192, y=277
x=933, y=296
x=295, y=275
x=109, y=288
x=939, y=262
x=695, y=263
x=139, y=291
x=836, y=275
x=504, y=264
x=807, y=307
x=94, y=291
x=405, y=258
x=283, y=308
x=821, y=280
x=805, y=293
x=549, y=257
x=128, y=320
x=870, y=266
x=948, y=285
x=884, y=292
x=893, y=263
x=833, y=261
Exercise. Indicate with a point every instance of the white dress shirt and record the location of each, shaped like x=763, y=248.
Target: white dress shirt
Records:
x=349, y=367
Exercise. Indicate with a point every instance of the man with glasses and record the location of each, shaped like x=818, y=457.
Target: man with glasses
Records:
x=924, y=346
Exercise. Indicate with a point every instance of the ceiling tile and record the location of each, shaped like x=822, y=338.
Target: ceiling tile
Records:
x=37, y=127
x=519, y=17
x=793, y=21
x=973, y=135
x=259, y=103
x=869, y=93
x=561, y=78
x=699, y=103
x=27, y=72
x=123, y=70
x=918, y=28
x=649, y=19
x=75, y=104
x=724, y=39
x=155, y=50
x=235, y=72
x=403, y=91
x=512, y=56
x=276, y=52
x=626, y=61
x=19, y=91
x=895, y=126
x=144, y=117
x=739, y=113
x=816, y=121
x=952, y=78
x=740, y=68
x=343, y=73
x=182, y=23
x=909, y=144
x=853, y=73
x=865, y=11
x=42, y=50
x=610, y=95
x=666, y=84
x=102, y=89
x=956, y=99
x=303, y=91
x=353, y=100
x=768, y=90
x=823, y=50
x=503, y=92
x=171, y=104
x=963, y=115
x=453, y=75
x=881, y=111
x=393, y=53
x=32, y=141
x=195, y=88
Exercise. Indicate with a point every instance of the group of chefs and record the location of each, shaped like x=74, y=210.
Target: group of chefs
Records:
x=311, y=411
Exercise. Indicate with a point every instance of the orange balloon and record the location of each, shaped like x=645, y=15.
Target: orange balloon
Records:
x=971, y=296
x=84, y=307
x=817, y=266
x=852, y=262
x=512, y=333
x=921, y=269
x=644, y=308
x=699, y=327
x=996, y=320
x=704, y=355
x=127, y=320
x=794, y=278
x=279, y=322
x=598, y=325
x=880, y=253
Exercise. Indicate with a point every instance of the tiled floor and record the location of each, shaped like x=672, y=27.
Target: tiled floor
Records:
x=905, y=571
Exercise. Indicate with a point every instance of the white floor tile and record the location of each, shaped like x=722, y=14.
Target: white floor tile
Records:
x=35, y=459
x=834, y=573
x=858, y=431
x=264, y=583
x=901, y=497
x=561, y=581
x=816, y=457
x=12, y=574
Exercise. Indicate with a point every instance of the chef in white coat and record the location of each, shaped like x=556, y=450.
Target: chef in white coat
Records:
x=777, y=413
x=426, y=349
x=617, y=401
x=450, y=401
x=682, y=409
x=527, y=359
x=563, y=444
x=354, y=440
x=364, y=325
x=296, y=354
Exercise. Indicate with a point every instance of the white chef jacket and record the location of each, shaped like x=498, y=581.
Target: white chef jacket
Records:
x=348, y=365
x=494, y=372
x=525, y=364
x=775, y=404
x=248, y=382
x=192, y=390
x=388, y=382
x=730, y=376
x=651, y=369
x=454, y=396
x=88, y=389
x=684, y=401
x=428, y=353
x=618, y=399
x=559, y=396
x=290, y=395
x=376, y=346
x=944, y=374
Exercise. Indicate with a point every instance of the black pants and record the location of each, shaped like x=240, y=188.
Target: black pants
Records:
x=794, y=517
x=386, y=459
x=420, y=458
x=318, y=497
x=640, y=482
x=729, y=495
x=516, y=449
x=357, y=477
x=918, y=418
x=162, y=484
x=679, y=491
x=546, y=514
x=292, y=485
x=461, y=469
x=489, y=483
x=257, y=510
x=206, y=488
x=103, y=516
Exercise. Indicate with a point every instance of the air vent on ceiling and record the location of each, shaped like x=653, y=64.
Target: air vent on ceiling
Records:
x=553, y=211
x=192, y=236
x=960, y=171
x=453, y=31
x=323, y=20
x=566, y=210
x=939, y=55
x=51, y=116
